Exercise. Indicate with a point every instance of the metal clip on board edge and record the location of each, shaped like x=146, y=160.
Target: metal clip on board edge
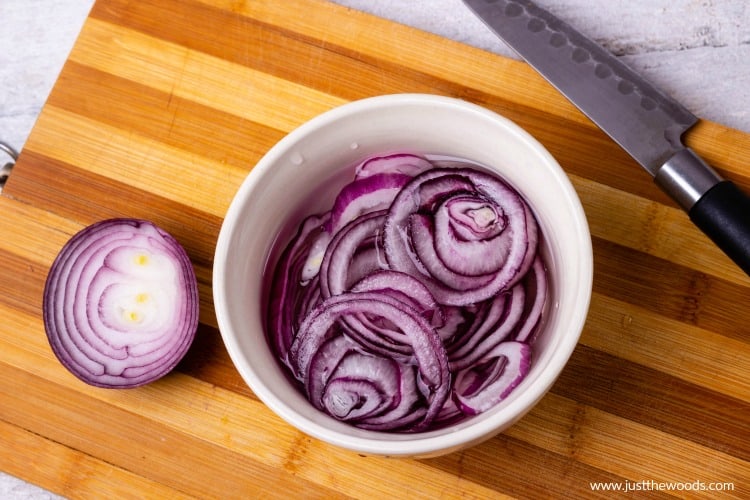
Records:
x=8, y=166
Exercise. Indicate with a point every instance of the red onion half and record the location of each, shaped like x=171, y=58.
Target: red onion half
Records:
x=121, y=303
x=414, y=301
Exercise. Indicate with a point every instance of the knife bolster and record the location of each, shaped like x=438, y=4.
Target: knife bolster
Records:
x=686, y=178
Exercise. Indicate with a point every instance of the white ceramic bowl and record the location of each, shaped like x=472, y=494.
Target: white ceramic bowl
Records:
x=302, y=173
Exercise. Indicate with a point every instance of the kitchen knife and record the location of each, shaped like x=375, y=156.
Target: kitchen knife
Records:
x=643, y=120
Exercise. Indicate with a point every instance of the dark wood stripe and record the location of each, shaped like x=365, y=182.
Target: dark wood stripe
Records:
x=674, y=291
x=527, y=471
x=22, y=283
x=171, y=120
x=87, y=197
x=243, y=40
x=347, y=73
x=581, y=148
x=657, y=400
x=208, y=360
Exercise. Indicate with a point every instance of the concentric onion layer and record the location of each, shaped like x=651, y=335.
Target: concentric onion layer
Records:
x=414, y=301
x=121, y=303
x=466, y=234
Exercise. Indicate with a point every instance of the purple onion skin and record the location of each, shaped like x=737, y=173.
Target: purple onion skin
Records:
x=393, y=325
x=120, y=304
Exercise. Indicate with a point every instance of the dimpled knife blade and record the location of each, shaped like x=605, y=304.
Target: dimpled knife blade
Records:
x=643, y=120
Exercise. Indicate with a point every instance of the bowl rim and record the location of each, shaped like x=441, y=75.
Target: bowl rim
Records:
x=417, y=444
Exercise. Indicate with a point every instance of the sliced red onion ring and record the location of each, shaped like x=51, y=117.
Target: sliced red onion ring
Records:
x=504, y=314
x=492, y=378
x=121, y=303
x=470, y=236
x=469, y=219
x=399, y=163
x=414, y=301
x=428, y=352
x=536, y=285
x=365, y=195
x=289, y=294
x=342, y=249
x=519, y=248
x=383, y=337
x=372, y=392
x=436, y=272
x=403, y=287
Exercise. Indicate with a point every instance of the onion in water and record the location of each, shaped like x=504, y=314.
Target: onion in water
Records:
x=414, y=301
x=121, y=303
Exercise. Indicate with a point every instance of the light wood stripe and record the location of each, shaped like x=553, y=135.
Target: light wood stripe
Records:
x=602, y=440
x=374, y=39
x=80, y=474
x=704, y=358
x=137, y=160
x=468, y=66
x=45, y=233
x=651, y=227
x=197, y=77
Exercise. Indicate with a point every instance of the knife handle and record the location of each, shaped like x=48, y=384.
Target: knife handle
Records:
x=723, y=214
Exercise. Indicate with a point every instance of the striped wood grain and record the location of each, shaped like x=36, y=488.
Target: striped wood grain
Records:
x=162, y=110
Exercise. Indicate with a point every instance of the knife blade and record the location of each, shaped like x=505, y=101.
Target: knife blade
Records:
x=638, y=116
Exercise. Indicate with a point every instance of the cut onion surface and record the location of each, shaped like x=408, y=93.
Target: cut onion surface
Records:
x=120, y=303
x=414, y=301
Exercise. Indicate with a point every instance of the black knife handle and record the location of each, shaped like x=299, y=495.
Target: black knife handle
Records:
x=715, y=205
x=723, y=214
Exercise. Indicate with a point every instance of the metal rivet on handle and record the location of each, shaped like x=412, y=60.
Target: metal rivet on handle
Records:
x=8, y=166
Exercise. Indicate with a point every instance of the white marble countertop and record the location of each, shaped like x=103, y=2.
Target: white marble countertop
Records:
x=696, y=50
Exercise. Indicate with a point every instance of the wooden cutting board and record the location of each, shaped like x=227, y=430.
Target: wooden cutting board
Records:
x=163, y=109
